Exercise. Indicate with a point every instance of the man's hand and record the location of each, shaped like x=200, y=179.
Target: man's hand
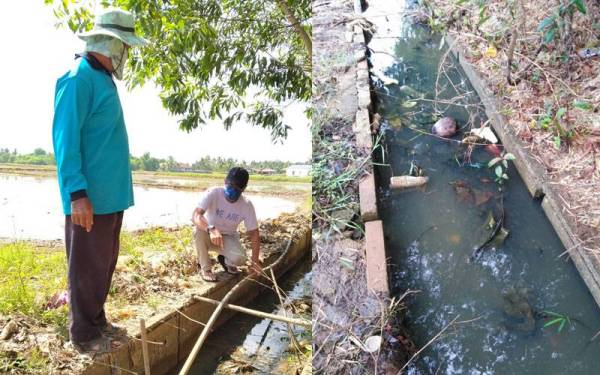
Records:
x=82, y=213
x=216, y=238
x=256, y=267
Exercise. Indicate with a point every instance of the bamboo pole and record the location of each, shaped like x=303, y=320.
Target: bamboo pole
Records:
x=145, y=347
x=260, y=314
x=213, y=318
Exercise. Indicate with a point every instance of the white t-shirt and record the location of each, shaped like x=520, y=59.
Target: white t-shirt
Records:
x=227, y=216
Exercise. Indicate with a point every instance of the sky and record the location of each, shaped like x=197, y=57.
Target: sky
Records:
x=35, y=54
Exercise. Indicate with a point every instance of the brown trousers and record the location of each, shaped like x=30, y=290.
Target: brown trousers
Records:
x=91, y=259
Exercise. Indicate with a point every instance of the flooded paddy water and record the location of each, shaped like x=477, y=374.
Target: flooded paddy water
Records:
x=30, y=208
x=518, y=307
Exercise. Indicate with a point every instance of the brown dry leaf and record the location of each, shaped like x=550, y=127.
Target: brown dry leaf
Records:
x=482, y=197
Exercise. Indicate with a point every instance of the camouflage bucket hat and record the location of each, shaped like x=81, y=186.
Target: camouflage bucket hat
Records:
x=116, y=23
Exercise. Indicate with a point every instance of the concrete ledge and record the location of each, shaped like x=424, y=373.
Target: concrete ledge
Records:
x=377, y=277
x=368, y=198
x=532, y=174
x=362, y=129
x=177, y=334
x=584, y=262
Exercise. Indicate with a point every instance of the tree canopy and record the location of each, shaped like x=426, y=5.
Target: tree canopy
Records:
x=212, y=59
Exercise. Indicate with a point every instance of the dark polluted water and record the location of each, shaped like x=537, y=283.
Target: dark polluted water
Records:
x=519, y=307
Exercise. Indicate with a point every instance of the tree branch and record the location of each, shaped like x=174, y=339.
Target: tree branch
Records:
x=297, y=27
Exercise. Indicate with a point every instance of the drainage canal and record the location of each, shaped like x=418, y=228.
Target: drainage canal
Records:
x=518, y=307
x=246, y=344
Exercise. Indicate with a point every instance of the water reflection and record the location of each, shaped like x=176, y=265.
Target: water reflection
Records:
x=30, y=208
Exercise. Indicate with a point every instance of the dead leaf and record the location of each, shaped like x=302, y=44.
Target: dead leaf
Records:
x=396, y=123
x=482, y=197
x=500, y=237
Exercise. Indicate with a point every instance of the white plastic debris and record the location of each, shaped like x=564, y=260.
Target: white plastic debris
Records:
x=485, y=133
x=372, y=344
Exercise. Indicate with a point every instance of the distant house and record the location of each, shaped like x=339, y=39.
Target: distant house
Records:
x=298, y=170
x=183, y=167
x=267, y=171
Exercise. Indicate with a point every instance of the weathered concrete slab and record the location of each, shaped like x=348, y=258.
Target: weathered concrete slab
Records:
x=377, y=276
x=362, y=129
x=368, y=198
x=584, y=262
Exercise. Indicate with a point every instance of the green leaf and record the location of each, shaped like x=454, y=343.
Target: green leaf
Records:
x=505, y=163
x=499, y=171
x=557, y=142
x=348, y=263
x=561, y=112
x=553, y=321
x=553, y=313
x=580, y=6
x=509, y=156
x=562, y=324
x=494, y=161
x=505, y=176
x=549, y=36
x=582, y=105
x=409, y=104
x=545, y=23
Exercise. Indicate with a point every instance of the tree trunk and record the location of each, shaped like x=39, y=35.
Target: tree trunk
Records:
x=297, y=27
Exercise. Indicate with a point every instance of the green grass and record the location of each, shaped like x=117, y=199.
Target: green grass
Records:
x=32, y=362
x=337, y=167
x=221, y=176
x=28, y=277
x=15, y=168
x=156, y=239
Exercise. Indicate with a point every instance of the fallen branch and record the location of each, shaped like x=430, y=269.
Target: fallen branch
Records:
x=260, y=314
x=213, y=318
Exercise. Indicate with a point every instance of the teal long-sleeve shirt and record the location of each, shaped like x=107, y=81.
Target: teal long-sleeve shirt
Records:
x=90, y=140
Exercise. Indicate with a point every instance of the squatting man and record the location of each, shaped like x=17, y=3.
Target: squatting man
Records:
x=216, y=219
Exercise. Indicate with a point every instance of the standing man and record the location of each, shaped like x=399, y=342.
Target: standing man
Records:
x=225, y=209
x=94, y=175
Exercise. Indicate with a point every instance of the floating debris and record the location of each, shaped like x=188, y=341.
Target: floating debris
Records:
x=407, y=182
x=445, y=127
x=485, y=133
